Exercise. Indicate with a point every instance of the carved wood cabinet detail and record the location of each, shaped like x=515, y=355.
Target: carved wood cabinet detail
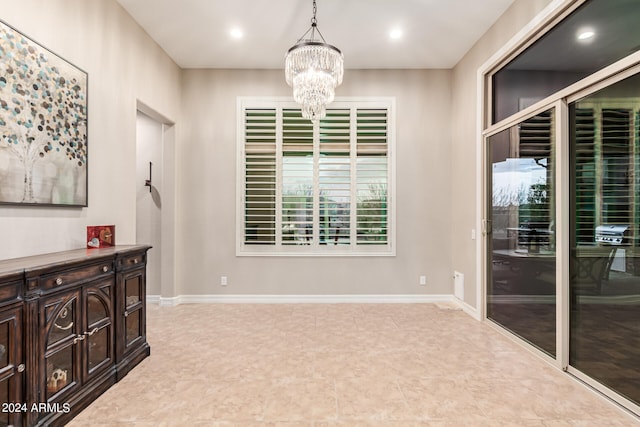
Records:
x=72, y=324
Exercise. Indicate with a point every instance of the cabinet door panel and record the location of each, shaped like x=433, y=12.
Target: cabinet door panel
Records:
x=61, y=315
x=133, y=291
x=100, y=348
x=133, y=327
x=64, y=323
x=4, y=397
x=10, y=360
x=60, y=370
x=97, y=310
x=5, y=337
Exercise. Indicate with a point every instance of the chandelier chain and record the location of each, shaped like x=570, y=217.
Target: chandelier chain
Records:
x=314, y=21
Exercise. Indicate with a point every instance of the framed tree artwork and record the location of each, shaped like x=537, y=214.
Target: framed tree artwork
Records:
x=43, y=125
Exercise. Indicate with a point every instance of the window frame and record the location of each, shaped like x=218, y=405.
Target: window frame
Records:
x=316, y=248
x=553, y=15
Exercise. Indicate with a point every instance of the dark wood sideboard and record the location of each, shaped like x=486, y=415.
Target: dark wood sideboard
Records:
x=72, y=324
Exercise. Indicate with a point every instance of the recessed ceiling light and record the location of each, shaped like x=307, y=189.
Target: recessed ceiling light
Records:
x=395, y=34
x=236, y=33
x=586, y=34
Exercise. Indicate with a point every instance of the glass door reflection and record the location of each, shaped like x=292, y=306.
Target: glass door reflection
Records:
x=604, y=265
x=521, y=290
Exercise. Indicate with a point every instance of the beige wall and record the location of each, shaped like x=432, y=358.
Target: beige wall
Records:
x=436, y=162
x=124, y=65
x=465, y=167
x=207, y=193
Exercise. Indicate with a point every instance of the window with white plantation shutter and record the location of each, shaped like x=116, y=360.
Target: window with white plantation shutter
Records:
x=323, y=189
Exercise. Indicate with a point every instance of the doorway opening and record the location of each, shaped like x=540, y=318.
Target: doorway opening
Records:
x=155, y=199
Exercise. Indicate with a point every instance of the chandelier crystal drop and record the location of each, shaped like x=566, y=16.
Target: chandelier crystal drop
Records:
x=313, y=69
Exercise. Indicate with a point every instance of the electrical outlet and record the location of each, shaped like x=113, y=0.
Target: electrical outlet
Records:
x=423, y=280
x=223, y=281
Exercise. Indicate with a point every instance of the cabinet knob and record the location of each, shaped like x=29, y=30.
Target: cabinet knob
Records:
x=21, y=367
x=59, y=281
x=135, y=261
x=126, y=314
x=105, y=268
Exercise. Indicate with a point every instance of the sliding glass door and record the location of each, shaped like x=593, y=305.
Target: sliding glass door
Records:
x=521, y=290
x=604, y=337
x=587, y=317
x=562, y=253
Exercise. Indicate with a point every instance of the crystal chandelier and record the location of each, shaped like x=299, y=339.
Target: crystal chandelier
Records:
x=314, y=69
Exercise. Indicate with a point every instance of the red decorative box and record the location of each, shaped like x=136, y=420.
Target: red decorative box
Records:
x=99, y=236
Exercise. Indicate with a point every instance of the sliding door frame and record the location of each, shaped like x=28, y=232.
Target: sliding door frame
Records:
x=626, y=67
x=560, y=154
x=616, y=397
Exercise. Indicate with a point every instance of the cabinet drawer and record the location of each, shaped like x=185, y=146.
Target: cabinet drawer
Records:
x=10, y=291
x=131, y=261
x=68, y=277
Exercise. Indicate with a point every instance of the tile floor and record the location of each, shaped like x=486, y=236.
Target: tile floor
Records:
x=340, y=365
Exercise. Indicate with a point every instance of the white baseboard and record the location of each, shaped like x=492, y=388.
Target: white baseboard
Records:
x=153, y=299
x=302, y=299
x=169, y=302
x=471, y=311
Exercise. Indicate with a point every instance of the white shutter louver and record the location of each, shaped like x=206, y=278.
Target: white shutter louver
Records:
x=585, y=176
x=617, y=168
x=335, y=178
x=297, y=179
x=260, y=177
x=372, y=177
x=536, y=136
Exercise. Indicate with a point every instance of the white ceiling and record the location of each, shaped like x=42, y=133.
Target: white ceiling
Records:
x=196, y=33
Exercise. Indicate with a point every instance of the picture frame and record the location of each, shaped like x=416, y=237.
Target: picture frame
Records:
x=43, y=125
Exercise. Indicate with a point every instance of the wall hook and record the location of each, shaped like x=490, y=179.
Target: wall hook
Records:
x=147, y=182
